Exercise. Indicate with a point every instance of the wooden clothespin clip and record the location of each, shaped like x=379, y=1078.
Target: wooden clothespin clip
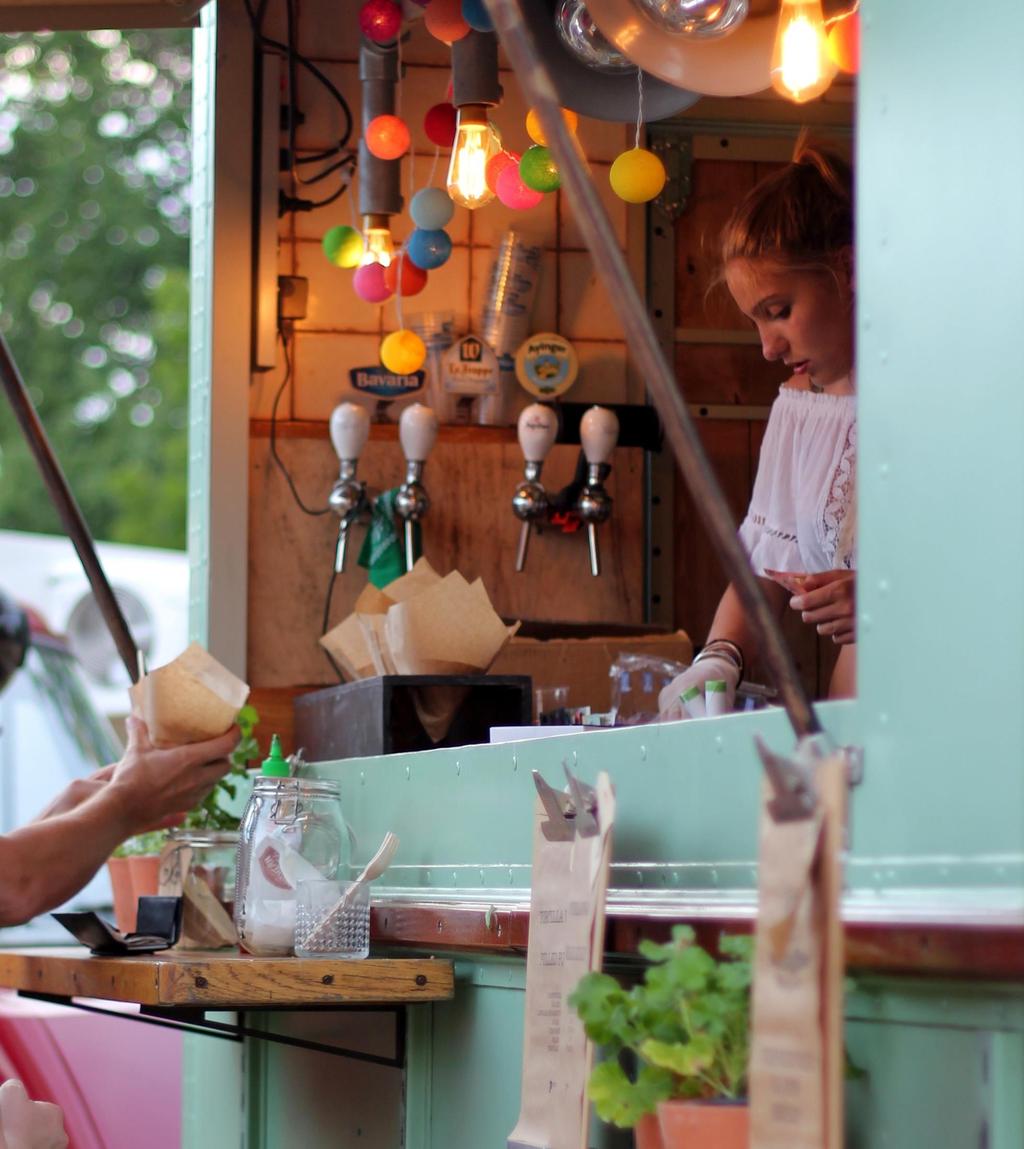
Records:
x=561, y=823
x=792, y=778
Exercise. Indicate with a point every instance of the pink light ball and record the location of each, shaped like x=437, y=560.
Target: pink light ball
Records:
x=431, y=208
x=403, y=271
x=513, y=193
x=380, y=20
x=439, y=124
x=496, y=165
x=369, y=283
x=387, y=137
x=402, y=352
x=444, y=21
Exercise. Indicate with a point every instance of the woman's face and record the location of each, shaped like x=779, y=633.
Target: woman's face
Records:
x=804, y=318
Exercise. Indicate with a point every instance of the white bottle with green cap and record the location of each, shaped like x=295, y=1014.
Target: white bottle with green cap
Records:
x=716, y=697
x=693, y=701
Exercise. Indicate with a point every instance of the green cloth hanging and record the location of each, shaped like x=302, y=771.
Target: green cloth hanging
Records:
x=383, y=550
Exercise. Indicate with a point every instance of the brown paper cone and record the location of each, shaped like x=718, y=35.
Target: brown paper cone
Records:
x=188, y=700
x=421, y=578
x=347, y=644
x=436, y=707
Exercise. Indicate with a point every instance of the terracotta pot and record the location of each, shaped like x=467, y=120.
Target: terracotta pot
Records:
x=145, y=872
x=647, y=1133
x=124, y=898
x=704, y=1124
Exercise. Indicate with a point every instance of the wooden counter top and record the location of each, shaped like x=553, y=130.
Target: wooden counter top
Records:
x=225, y=979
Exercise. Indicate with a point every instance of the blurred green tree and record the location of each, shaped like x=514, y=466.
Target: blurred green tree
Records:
x=94, y=281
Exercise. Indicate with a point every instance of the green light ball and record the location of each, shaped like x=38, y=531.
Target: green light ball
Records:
x=637, y=176
x=343, y=246
x=537, y=169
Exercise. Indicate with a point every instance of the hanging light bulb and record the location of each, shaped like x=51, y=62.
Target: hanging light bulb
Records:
x=476, y=142
x=801, y=67
x=380, y=247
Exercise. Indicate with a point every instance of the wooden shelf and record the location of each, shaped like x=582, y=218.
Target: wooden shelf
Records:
x=225, y=979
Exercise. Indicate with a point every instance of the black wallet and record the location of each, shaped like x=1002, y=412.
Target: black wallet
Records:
x=157, y=928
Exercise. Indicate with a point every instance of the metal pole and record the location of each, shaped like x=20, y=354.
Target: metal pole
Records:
x=539, y=92
x=68, y=509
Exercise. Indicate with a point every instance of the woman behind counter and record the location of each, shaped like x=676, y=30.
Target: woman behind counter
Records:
x=787, y=259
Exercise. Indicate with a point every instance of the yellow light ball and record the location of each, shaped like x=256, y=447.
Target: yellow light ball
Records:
x=536, y=132
x=402, y=352
x=637, y=176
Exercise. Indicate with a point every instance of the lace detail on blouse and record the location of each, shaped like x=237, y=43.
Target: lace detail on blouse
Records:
x=838, y=504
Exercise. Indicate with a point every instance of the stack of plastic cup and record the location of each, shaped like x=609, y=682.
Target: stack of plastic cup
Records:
x=437, y=330
x=505, y=322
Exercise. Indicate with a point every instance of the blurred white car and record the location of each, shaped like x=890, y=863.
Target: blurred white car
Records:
x=50, y=734
x=150, y=584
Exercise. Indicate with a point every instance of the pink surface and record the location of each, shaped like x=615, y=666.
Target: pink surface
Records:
x=118, y=1081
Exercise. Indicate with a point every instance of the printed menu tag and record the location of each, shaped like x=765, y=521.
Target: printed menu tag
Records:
x=567, y=903
x=796, y=1060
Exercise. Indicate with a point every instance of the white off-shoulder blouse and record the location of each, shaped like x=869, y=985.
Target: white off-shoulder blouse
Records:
x=802, y=514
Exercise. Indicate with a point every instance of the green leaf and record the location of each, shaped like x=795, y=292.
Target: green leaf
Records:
x=622, y=1102
x=683, y=1060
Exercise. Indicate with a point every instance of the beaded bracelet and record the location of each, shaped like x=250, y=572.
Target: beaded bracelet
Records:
x=724, y=648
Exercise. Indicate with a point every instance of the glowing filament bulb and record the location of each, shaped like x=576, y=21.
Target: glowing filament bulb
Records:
x=801, y=66
x=377, y=237
x=476, y=142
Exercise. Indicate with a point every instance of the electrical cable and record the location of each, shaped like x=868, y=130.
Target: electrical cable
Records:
x=273, y=432
x=326, y=623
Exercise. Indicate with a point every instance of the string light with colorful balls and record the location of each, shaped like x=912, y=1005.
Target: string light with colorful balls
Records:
x=370, y=284
x=380, y=20
x=444, y=20
x=403, y=277
x=536, y=132
x=439, y=124
x=513, y=192
x=431, y=209
x=843, y=44
x=343, y=246
x=475, y=13
x=387, y=137
x=637, y=175
x=496, y=165
x=428, y=248
x=402, y=352
x=538, y=170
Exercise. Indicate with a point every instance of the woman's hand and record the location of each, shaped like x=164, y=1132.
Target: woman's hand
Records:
x=828, y=600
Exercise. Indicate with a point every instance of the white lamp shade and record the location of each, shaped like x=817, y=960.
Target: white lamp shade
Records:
x=599, y=432
x=350, y=428
x=538, y=427
x=417, y=431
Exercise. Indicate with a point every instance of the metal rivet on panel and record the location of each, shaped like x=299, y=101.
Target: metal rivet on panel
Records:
x=714, y=877
x=515, y=763
x=440, y=926
x=883, y=719
x=408, y=773
x=883, y=586
x=575, y=758
x=883, y=469
x=458, y=767
x=362, y=777
x=718, y=743
x=643, y=753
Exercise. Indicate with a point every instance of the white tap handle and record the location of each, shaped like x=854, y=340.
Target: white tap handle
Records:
x=350, y=428
x=417, y=431
x=599, y=432
x=538, y=427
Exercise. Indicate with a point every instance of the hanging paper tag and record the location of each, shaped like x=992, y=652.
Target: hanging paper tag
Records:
x=796, y=1063
x=567, y=904
x=546, y=365
x=469, y=367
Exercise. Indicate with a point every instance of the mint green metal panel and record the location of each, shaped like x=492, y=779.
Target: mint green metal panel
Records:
x=687, y=798
x=941, y=469
x=213, y=1075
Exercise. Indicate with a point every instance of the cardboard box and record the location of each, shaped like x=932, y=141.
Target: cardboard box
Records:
x=583, y=664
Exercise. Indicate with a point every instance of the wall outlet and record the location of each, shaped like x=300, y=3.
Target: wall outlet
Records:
x=292, y=296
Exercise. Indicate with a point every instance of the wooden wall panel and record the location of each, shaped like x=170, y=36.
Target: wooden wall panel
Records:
x=470, y=527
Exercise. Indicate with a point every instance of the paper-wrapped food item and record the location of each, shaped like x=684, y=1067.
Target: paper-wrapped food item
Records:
x=188, y=700
x=422, y=624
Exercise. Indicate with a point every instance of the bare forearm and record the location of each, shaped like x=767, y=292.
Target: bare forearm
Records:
x=46, y=862
x=731, y=621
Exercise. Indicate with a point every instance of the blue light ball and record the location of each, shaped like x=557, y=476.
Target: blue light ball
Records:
x=475, y=13
x=431, y=208
x=428, y=248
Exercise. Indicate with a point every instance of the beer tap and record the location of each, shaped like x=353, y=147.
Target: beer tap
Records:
x=350, y=428
x=538, y=426
x=417, y=432
x=599, y=432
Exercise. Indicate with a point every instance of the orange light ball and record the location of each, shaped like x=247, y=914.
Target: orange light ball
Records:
x=413, y=278
x=387, y=137
x=536, y=132
x=843, y=44
x=444, y=21
x=402, y=352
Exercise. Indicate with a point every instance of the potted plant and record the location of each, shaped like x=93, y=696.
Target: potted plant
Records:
x=676, y=1045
